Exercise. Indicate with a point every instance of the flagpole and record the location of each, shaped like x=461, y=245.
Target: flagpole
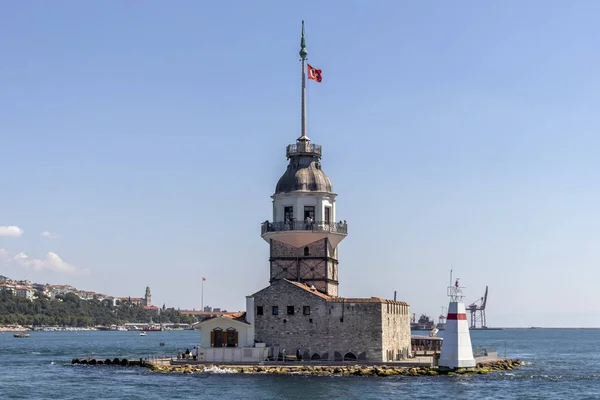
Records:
x=303, y=54
x=202, y=295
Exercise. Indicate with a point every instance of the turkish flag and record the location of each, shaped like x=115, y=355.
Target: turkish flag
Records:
x=314, y=74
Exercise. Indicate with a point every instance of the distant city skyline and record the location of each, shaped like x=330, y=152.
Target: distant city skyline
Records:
x=140, y=145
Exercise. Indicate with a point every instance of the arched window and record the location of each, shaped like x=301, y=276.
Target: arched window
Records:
x=306, y=251
x=217, y=338
x=232, y=337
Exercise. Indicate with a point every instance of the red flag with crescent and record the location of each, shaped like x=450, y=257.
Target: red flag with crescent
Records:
x=314, y=74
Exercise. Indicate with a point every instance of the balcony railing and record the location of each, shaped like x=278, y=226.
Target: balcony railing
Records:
x=303, y=148
x=315, y=226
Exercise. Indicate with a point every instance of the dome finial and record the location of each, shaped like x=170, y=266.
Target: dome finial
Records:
x=303, y=52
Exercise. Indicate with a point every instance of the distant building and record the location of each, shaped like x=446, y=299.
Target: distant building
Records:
x=24, y=292
x=148, y=297
x=136, y=301
x=145, y=301
x=152, y=310
x=7, y=287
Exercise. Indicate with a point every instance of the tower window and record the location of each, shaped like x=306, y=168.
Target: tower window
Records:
x=309, y=212
x=306, y=310
x=275, y=310
x=288, y=213
x=259, y=310
x=306, y=251
x=327, y=215
x=290, y=310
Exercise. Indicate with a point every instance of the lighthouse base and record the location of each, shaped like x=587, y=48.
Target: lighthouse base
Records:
x=457, y=351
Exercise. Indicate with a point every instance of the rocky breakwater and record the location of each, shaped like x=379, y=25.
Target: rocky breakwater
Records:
x=356, y=370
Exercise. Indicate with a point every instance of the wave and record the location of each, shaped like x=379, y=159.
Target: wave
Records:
x=217, y=370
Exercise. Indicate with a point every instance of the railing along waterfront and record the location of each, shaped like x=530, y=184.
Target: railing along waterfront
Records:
x=315, y=226
x=483, y=351
x=303, y=148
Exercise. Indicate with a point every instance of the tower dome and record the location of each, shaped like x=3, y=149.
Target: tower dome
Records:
x=304, y=173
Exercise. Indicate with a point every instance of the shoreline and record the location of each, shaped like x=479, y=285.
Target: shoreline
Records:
x=481, y=368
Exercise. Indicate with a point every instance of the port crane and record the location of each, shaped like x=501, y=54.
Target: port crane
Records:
x=477, y=311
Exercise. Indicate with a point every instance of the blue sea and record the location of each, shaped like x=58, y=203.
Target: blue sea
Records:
x=561, y=364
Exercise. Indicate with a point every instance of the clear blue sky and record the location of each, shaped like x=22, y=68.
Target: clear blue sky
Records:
x=150, y=135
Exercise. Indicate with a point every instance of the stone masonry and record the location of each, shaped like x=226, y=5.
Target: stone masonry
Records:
x=330, y=328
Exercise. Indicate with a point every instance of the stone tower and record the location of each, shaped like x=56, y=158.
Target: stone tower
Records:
x=148, y=297
x=304, y=234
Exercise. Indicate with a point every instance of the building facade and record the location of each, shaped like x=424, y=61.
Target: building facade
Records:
x=230, y=337
x=300, y=312
x=294, y=317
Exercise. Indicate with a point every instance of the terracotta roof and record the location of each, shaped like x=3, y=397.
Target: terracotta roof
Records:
x=150, y=308
x=308, y=289
x=366, y=300
x=238, y=316
x=194, y=312
x=331, y=299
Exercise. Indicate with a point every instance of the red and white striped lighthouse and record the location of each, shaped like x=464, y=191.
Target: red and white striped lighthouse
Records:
x=457, y=351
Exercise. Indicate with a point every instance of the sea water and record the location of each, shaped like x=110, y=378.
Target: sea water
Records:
x=561, y=364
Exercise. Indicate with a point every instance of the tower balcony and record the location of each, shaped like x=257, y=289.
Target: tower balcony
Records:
x=300, y=234
x=303, y=149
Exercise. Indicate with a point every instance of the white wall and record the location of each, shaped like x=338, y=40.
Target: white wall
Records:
x=300, y=199
x=225, y=323
x=250, y=319
x=233, y=354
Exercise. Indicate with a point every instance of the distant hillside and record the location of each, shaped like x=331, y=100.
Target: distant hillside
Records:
x=70, y=310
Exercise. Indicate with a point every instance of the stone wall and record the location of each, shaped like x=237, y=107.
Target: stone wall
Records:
x=396, y=331
x=333, y=329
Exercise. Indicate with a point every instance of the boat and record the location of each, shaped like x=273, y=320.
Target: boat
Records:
x=423, y=324
x=143, y=334
x=21, y=335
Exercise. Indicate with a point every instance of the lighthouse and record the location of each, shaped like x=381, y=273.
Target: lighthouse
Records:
x=304, y=233
x=457, y=351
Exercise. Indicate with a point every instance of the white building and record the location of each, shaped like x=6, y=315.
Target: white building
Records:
x=24, y=292
x=230, y=338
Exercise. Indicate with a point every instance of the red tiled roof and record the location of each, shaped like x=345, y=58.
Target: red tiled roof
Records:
x=365, y=300
x=193, y=312
x=332, y=299
x=308, y=289
x=238, y=316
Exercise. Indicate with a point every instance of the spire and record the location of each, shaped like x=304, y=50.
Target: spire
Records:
x=303, y=53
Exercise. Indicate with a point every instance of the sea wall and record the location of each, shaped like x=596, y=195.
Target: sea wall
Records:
x=357, y=370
